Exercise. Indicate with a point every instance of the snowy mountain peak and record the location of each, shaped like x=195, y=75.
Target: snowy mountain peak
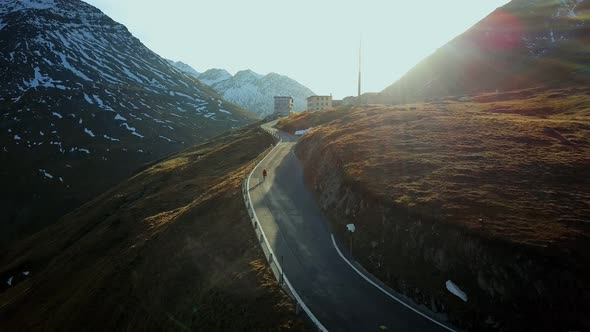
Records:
x=276, y=76
x=247, y=74
x=214, y=75
x=184, y=67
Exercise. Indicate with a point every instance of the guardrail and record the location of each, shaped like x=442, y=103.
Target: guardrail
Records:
x=274, y=134
x=273, y=262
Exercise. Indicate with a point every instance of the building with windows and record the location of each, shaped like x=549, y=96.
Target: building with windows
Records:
x=283, y=105
x=319, y=103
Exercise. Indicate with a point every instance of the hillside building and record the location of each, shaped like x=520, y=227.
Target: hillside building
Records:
x=319, y=103
x=283, y=105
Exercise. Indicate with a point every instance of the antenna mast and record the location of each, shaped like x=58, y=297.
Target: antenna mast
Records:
x=359, y=87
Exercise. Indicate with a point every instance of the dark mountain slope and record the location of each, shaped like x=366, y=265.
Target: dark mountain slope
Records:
x=84, y=103
x=169, y=249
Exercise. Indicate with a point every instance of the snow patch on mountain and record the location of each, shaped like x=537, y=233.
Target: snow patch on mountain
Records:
x=89, y=132
x=47, y=175
x=111, y=138
x=120, y=118
x=68, y=66
x=87, y=98
x=166, y=139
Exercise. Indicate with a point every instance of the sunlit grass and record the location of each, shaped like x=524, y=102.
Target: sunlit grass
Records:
x=508, y=166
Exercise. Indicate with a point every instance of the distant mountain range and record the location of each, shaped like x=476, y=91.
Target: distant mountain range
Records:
x=84, y=104
x=251, y=90
x=526, y=43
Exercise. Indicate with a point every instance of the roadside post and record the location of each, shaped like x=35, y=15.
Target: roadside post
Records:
x=282, y=281
x=351, y=228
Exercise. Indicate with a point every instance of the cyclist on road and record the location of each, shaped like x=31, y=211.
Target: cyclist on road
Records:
x=264, y=174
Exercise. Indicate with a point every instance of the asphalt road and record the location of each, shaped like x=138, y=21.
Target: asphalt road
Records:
x=300, y=237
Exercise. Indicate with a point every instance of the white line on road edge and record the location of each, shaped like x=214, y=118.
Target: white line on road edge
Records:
x=386, y=292
x=297, y=297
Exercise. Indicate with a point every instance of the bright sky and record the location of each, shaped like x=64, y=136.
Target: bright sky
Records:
x=312, y=41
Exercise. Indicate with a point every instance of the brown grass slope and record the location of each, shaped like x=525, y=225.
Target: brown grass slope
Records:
x=492, y=193
x=520, y=45
x=169, y=249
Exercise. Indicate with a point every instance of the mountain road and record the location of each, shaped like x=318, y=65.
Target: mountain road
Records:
x=338, y=295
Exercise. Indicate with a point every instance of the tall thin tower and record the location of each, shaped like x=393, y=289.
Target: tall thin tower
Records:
x=359, y=87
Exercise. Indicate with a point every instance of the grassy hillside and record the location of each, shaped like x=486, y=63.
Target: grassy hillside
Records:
x=520, y=45
x=500, y=159
x=490, y=192
x=169, y=249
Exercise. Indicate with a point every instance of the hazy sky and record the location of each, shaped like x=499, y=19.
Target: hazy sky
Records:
x=313, y=42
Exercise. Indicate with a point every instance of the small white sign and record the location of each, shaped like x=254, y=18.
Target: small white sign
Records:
x=453, y=288
x=302, y=132
x=351, y=228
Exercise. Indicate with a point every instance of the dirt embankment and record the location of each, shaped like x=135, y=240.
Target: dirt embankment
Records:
x=455, y=191
x=170, y=249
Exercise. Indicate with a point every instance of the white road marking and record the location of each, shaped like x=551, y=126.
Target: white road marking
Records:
x=386, y=292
